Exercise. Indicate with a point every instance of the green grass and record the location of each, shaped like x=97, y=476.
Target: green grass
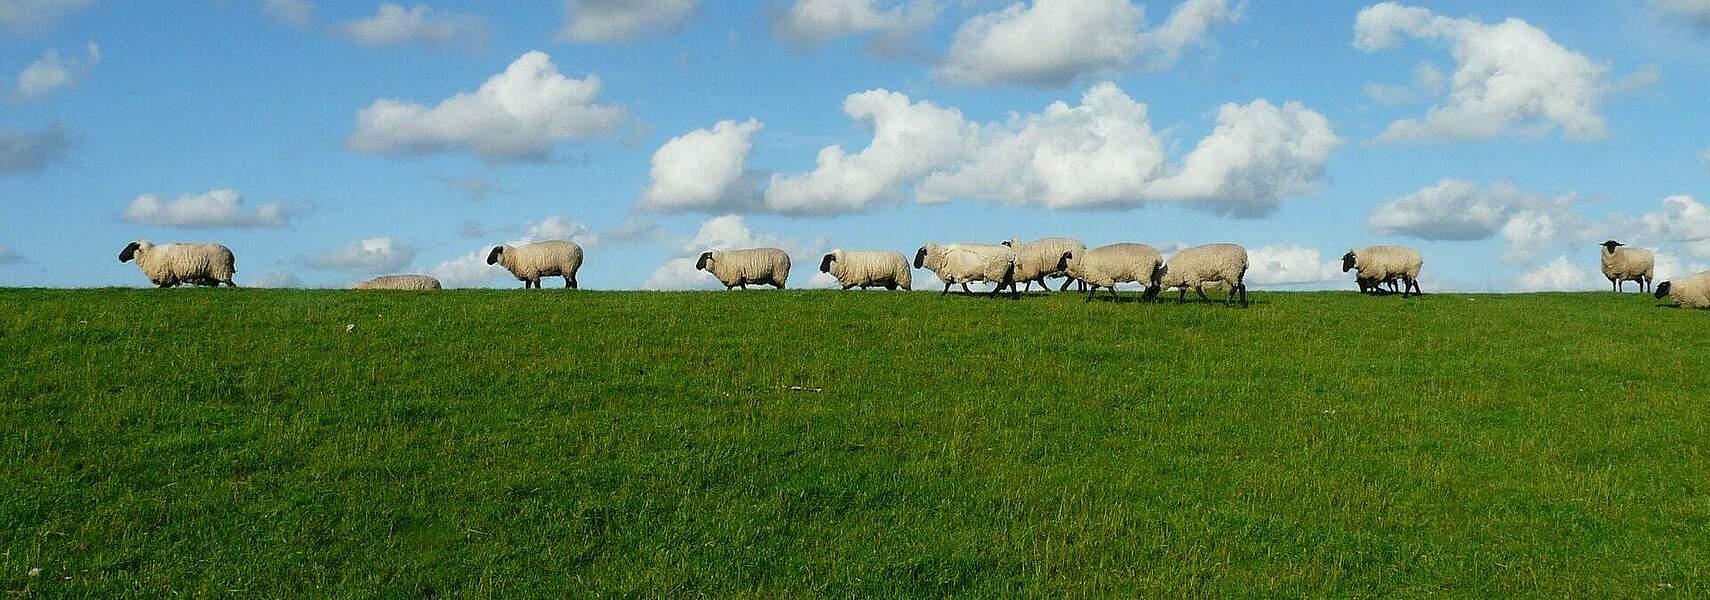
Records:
x=783, y=444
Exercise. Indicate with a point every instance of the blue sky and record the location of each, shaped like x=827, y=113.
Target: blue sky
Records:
x=1501, y=141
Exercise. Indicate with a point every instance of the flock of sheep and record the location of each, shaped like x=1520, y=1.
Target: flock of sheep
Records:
x=1006, y=265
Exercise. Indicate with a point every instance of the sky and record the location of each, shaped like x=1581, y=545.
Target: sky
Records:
x=328, y=142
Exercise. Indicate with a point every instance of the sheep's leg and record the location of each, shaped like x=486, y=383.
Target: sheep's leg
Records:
x=1114, y=295
x=1201, y=290
x=1243, y=295
x=569, y=282
x=1181, y=295
x=946, y=289
x=965, y=289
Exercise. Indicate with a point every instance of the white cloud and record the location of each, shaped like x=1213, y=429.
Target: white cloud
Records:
x=597, y=21
x=1509, y=77
x=1559, y=275
x=471, y=269
x=24, y=151
x=516, y=115
x=1694, y=12
x=24, y=16
x=1427, y=82
x=1052, y=42
x=728, y=232
x=1286, y=264
x=215, y=209
x=296, y=13
x=7, y=256
x=394, y=25
x=1682, y=219
x=1670, y=266
x=52, y=73
x=705, y=170
x=1460, y=210
x=560, y=228
x=371, y=256
x=808, y=23
x=277, y=278
x=909, y=140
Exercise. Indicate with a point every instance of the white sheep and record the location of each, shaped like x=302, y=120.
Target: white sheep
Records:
x=530, y=262
x=168, y=265
x=1106, y=266
x=1374, y=264
x=1217, y=264
x=399, y=282
x=1039, y=259
x=866, y=269
x=962, y=263
x=1627, y=264
x=738, y=268
x=1691, y=292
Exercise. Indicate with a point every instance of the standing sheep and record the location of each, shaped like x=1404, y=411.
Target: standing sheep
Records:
x=738, y=268
x=1038, y=259
x=1224, y=264
x=1691, y=292
x=1374, y=264
x=399, y=282
x=1627, y=264
x=530, y=262
x=1106, y=266
x=962, y=263
x=866, y=269
x=168, y=265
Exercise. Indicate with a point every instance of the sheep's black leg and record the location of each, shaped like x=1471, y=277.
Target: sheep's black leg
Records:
x=965, y=289
x=1201, y=290
x=1114, y=295
x=946, y=289
x=1243, y=295
x=569, y=282
x=1181, y=296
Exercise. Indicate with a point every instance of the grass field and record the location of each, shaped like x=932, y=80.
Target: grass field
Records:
x=814, y=443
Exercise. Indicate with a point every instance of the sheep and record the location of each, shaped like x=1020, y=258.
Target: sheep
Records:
x=962, y=263
x=1374, y=264
x=168, y=265
x=866, y=269
x=1627, y=264
x=399, y=282
x=1039, y=259
x=1220, y=264
x=1106, y=266
x=1691, y=292
x=530, y=262
x=738, y=268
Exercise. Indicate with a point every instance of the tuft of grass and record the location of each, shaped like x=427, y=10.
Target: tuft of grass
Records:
x=859, y=444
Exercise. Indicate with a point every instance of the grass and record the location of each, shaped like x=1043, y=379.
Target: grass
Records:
x=813, y=443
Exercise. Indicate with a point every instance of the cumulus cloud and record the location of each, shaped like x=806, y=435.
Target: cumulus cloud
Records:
x=1454, y=209
x=52, y=73
x=215, y=209
x=516, y=115
x=598, y=21
x=1682, y=219
x=1052, y=42
x=808, y=23
x=1560, y=274
x=705, y=170
x=24, y=16
x=909, y=140
x=371, y=256
x=472, y=269
x=1287, y=264
x=394, y=25
x=26, y=151
x=7, y=256
x=728, y=232
x=1509, y=77
x=1427, y=82
x=277, y=278
x=296, y=13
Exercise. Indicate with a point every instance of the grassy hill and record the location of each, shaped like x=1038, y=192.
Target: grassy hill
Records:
x=778, y=444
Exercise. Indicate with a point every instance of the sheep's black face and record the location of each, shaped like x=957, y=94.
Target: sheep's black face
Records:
x=920, y=257
x=1063, y=263
x=1611, y=245
x=493, y=257
x=1662, y=290
x=1347, y=262
x=701, y=264
x=825, y=263
x=1006, y=243
x=129, y=252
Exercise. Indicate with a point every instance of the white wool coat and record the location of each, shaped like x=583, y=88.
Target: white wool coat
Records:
x=399, y=282
x=769, y=266
x=1201, y=265
x=168, y=265
x=1106, y=266
x=869, y=268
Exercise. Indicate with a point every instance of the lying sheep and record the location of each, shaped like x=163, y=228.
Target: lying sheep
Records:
x=1627, y=264
x=1691, y=292
x=738, y=268
x=399, y=282
x=1210, y=264
x=1106, y=266
x=1039, y=259
x=867, y=269
x=530, y=262
x=1374, y=264
x=168, y=265
x=962, y=263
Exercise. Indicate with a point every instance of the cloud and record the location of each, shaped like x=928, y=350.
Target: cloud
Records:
x=728, y=232
x=471, y=269
x=373, y=256
x=809, y=23
x=1705, y=156
x=1460, y=210
x=1052, y=42
x=560, y=228
x=296, y=13
x=516, y=115
x=1292, y=265
x=220, y=208
x=25, y=152
x=600, y=21
x=1693, y=12
x=1509, y=77
x=394, y=25
x=1682, y=219
x=909, y=140
x=1559, y=275
x=277, y=278
x=476, y=189
x=705, y=170
x=52, y=73
x=7, y=256
x=26, y=16
x=1427, y=82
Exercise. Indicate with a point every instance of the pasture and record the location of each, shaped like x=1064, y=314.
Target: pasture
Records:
x=220, y=442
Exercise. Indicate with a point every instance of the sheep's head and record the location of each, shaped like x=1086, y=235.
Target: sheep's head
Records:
x=1348, y=261
x=825, y=263
x=920, y=258
x=1662, y=290
x=1063, y=262
x=130, y=252
x=493, y=257
x=701, y=263
x=1611, y=245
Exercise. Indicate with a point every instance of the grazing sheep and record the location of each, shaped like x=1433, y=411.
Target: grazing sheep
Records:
x=1627, y=264
x=1039, y=259
x=530, y=262
x=1374, y=264
x=399, y=282
x=867, y=269
x=962, y=263
x=1106, y=266
x=738, y=268
x=168, y=265
x=1691, y=292
x=1219, y=264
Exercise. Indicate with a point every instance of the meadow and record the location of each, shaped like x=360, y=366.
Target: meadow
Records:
x=219, y=442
